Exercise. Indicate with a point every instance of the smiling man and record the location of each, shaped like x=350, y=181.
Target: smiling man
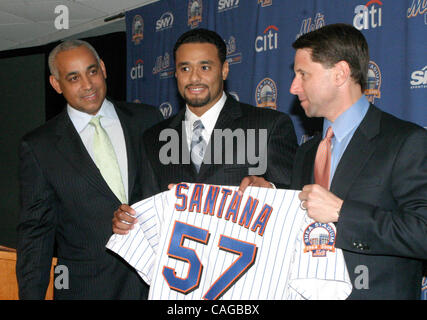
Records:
x=201, y=69
x=74, y=172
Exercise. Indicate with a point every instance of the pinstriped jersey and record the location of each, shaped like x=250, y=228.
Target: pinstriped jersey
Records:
x=200, y=241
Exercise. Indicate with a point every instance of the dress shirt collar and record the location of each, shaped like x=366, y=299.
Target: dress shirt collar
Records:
x=81, y=119
x=348, y=120
x=210, y=117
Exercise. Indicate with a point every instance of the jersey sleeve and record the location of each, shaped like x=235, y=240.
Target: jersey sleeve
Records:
x=139, y=246
x=318, y=270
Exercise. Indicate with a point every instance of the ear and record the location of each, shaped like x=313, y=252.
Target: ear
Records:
x=104, y=70
x=55, y=84
x=342, y=72
x=225, y=70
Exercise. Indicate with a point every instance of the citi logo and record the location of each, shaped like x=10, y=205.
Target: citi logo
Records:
x=419, y=78
x=368, y=15
x=165, y=21
x=268, y=41
x=137, y=72
x=224, y=5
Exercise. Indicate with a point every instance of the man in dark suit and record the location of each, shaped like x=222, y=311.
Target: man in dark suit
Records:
x=201, y=69
x=377, y=177
x=67, y=193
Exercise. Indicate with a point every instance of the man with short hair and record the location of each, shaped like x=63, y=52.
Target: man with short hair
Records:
x=201, y=69
x=367, y=171
x=75, y=170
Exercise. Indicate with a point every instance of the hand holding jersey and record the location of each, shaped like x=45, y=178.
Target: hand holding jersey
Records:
x=205, y=241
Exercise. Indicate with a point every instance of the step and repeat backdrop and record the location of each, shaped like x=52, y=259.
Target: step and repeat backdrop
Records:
x=259, y=34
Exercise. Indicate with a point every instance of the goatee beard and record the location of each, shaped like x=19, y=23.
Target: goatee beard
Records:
x=197, y=102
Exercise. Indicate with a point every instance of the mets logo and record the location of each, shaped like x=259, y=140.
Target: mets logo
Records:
x=266, y=94
x=137, y=29
x=233, y=57
x=265, y=3
x=373, y=84
x=319, y=238
x=194, y=13
x=417, y=7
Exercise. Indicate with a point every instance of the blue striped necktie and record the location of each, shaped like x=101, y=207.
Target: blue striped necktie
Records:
x=198, y=145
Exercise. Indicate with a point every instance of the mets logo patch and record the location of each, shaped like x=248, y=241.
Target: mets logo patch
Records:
x=319, y=238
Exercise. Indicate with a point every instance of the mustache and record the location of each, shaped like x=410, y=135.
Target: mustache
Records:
x=196, y=85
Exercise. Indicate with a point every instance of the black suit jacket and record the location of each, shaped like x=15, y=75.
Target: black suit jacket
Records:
x=66, y=203
x=382, y=178
x=280, y=149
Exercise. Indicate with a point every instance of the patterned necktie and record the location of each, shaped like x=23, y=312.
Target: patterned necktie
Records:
x=106, y=160
x=198, y=145
x=322, y=163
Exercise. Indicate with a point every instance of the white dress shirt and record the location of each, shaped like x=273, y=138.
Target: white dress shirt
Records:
x=111, y=123
x=208, y=119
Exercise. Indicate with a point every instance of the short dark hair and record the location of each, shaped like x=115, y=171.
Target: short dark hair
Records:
x=338, y=42
x=202, y=36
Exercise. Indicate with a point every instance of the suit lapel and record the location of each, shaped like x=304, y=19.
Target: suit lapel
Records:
x=71, y=147
x=130, y=133
x=357, y=153
x=177, y=124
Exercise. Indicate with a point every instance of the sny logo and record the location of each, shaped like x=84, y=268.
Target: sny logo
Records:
x=224, y=5
x=366, y=18
x=165, y=21
x=419, y=78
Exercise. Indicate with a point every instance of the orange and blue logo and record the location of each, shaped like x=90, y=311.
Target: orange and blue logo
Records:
x=418, y=7
x=319, y=238
x=266, y=94
x=137, y=29
x=265, y=3
x=195, y=9
x=373, y=85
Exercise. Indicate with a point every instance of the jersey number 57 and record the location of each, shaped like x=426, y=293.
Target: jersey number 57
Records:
x=246, y=251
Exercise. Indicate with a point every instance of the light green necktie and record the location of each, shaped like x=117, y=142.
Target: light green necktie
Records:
x=106, y=160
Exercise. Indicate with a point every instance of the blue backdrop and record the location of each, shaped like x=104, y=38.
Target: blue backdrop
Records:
x=259, y=34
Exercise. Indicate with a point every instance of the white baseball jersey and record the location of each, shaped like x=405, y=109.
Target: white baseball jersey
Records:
x=201, y=241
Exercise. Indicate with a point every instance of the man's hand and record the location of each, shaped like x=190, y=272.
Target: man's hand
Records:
x=254, y=181
x=124, y=219
x=321, y=204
